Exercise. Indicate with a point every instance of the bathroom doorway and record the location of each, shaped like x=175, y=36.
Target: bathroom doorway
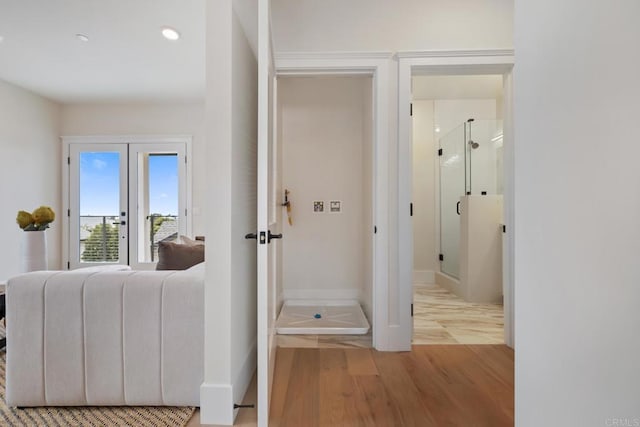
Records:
x=457, y=195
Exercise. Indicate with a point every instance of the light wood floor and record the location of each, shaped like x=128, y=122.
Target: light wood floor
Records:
x=435, y=385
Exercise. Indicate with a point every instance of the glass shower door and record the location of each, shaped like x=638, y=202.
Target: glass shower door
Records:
x=452, y=188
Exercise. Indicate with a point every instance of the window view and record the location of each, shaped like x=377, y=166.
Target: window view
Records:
x=99, y=206
x=158, y=202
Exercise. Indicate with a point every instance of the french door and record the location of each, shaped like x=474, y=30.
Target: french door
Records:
x=124, y=199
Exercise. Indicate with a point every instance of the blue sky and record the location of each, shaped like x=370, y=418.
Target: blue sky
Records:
x=99, y=184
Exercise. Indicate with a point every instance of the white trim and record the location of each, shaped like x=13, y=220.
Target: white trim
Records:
x=68, y=140
x=377, y=65
x=321, y=294
x=216, y=404
x=449, y=283
x=508, y=282
x=66, y=189
x=136, y=139
x=216, y=400
x=332, y=56
x=455, y=53
x=424, y=277
x=498, y=61
x=244, y=376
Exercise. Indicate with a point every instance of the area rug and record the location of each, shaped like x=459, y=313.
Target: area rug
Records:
x=156, y=416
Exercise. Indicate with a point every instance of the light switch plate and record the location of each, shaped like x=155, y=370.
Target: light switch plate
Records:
x=318, y=206
x=335, y=206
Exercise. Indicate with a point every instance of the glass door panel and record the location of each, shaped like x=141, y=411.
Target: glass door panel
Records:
x=484, y=157
x=157, y=199
x=98, y=205
x=452, y=188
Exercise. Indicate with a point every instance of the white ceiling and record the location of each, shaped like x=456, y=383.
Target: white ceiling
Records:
x=457, y=87
x=126, y=58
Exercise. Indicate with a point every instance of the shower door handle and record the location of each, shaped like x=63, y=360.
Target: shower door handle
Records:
x=458, y=207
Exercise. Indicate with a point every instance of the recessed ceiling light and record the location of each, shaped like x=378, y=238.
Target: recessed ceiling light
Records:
x=437, y=128
x=82, y=37
x=170, y=33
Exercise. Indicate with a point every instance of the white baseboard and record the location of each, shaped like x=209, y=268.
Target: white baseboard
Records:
x=244, y=375
x=321, y=294
x=216, y=400
x=216, y=404
x=424, y=277
x=449, y=283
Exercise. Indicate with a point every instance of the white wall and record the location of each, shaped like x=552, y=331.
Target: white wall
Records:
x=147, y=119
x=323, y=139
x=425, y=251
x=230, y=194
x=30, y=172
x=577, y=238
x=374, y=25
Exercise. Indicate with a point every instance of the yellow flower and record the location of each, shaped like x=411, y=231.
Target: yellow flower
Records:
x=43, y=216
x=24, y=219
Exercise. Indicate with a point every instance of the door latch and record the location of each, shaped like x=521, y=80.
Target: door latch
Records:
x=274, y=236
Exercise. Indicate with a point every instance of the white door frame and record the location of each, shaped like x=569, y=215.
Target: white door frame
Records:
x=378, y=65
x=453, y=63
x=67, y=141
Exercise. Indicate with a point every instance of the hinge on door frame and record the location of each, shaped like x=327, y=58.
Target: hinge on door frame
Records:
x=68, y=265
x=69, y=212
x=68, y=160
x=375, y=229
x=411, y=109
x=411, y=209
x=411, y=309
x=441, y=257
x=439, y=151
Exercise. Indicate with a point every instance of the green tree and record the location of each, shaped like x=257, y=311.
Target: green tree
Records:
x=102, y=244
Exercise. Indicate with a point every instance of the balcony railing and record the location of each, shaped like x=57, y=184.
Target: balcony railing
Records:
x=100, y=236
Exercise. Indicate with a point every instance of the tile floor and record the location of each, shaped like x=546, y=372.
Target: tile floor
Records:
x=440, y=317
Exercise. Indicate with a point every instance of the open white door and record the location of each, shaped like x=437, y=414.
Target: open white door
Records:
x=267, y=227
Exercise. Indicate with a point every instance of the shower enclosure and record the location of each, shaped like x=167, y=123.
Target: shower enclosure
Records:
x=470, y=164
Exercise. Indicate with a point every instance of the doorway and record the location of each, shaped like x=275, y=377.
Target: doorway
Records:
x=454, y=63
x=324, y=148
x=457, y=124
x=123, y=199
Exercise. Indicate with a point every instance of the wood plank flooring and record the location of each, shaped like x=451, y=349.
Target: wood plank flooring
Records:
x=435, y=385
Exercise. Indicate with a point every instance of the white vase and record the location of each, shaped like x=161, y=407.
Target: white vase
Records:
x=34, y=251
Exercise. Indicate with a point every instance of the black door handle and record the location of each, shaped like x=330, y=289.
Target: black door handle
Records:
x=251, y=236
x=458, y=208
x=273, y=236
